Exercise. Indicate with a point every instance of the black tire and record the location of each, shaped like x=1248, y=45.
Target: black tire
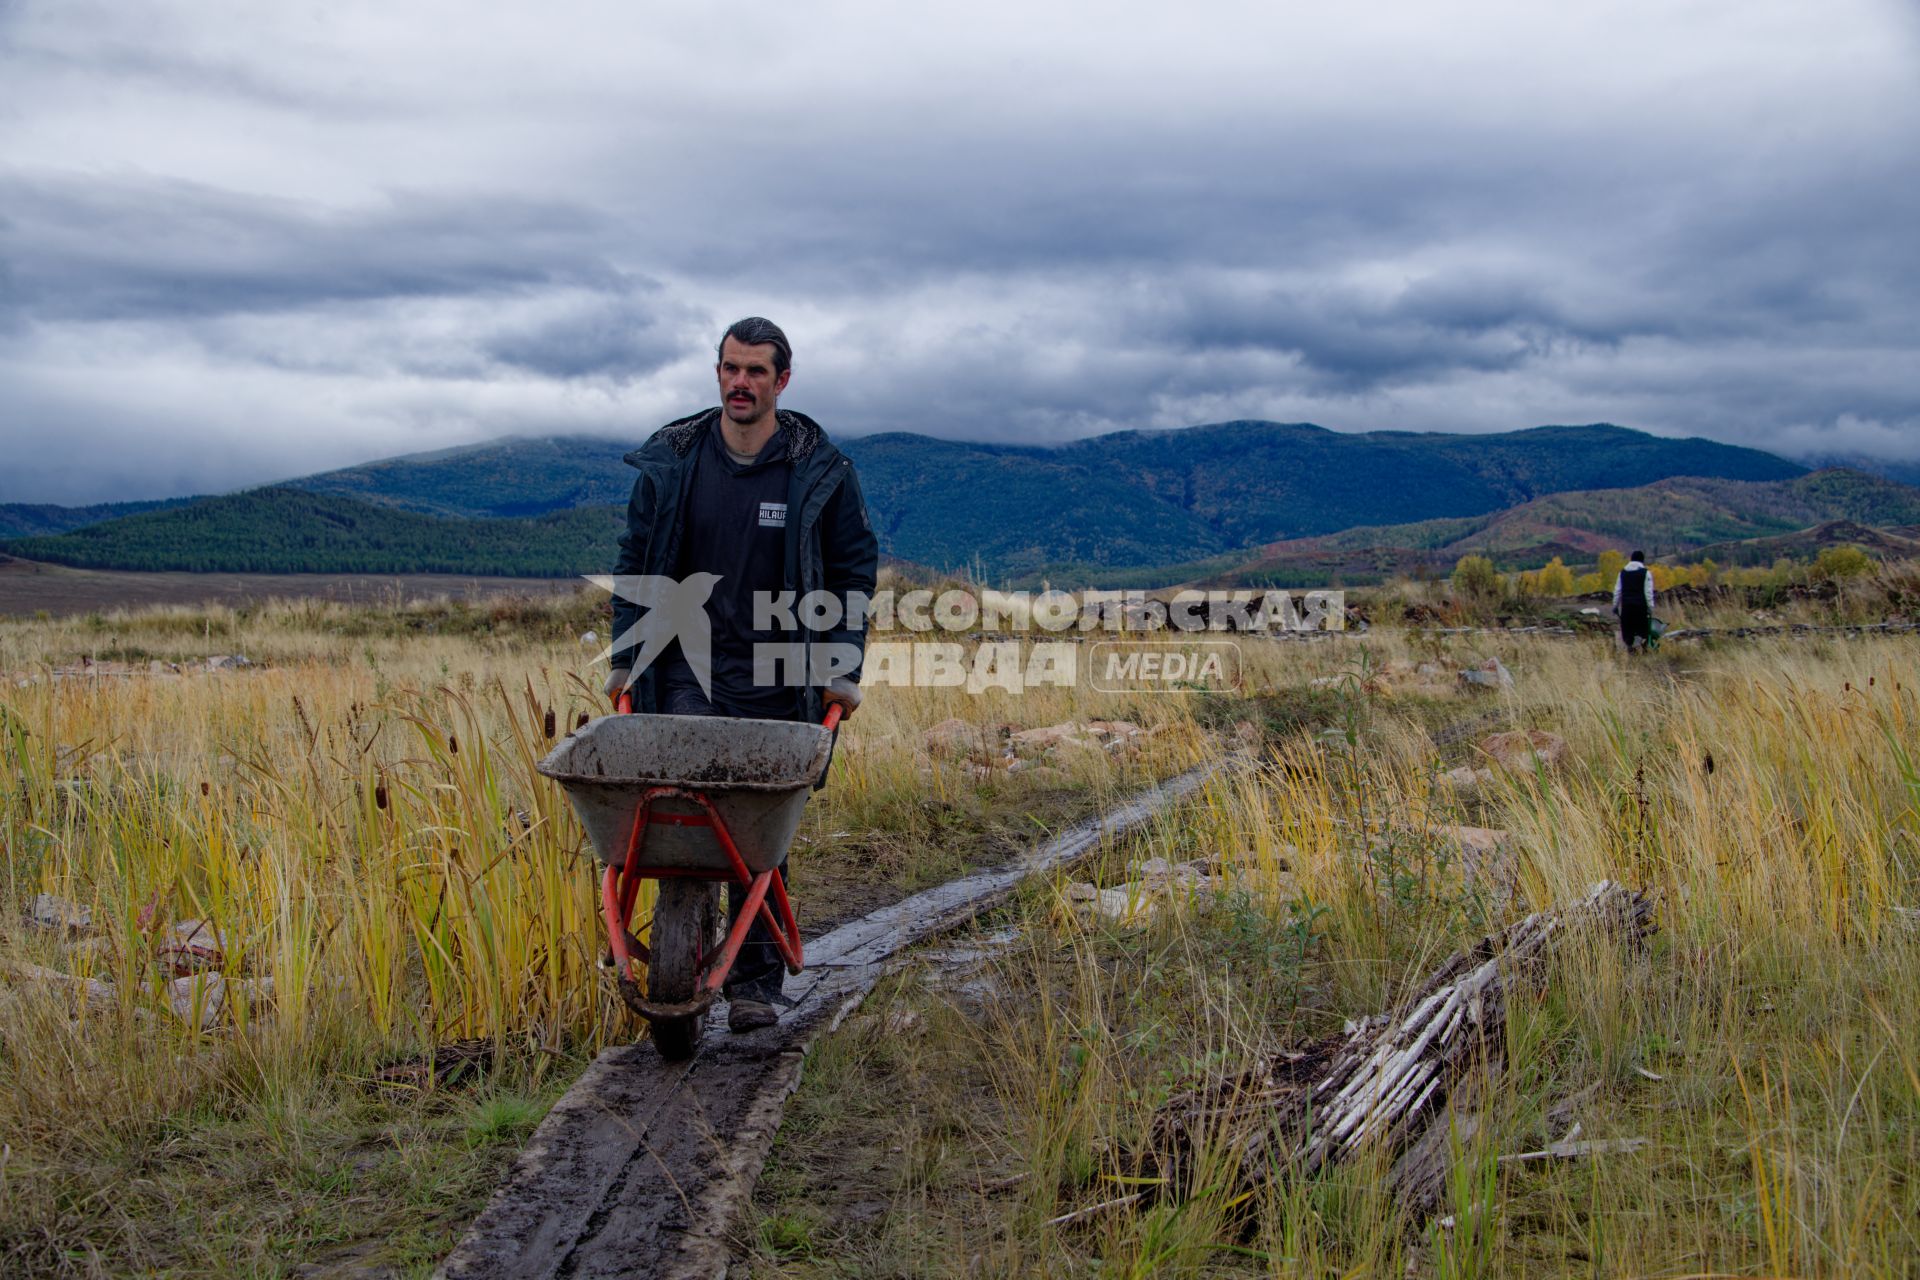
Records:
x=686, y=927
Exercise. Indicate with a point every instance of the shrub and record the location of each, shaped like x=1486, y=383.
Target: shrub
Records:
x=1475, y=578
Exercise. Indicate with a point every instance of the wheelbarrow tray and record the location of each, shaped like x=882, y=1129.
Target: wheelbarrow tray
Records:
x=757, y=773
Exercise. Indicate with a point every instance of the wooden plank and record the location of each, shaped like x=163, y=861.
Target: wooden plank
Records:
x=642, y=1167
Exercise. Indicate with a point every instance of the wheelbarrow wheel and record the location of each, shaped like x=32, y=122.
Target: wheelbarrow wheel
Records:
x=686, y=924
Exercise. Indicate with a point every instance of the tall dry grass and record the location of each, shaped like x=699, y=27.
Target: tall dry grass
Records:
x=360, y=818
x=1767, y=1044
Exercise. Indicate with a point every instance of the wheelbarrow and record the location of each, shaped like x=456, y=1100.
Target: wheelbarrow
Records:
x=693, y=802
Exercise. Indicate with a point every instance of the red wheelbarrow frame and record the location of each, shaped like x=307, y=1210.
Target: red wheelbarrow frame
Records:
x=766, y=892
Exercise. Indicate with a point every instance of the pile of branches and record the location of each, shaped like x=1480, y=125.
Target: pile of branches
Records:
x=1388, y=1079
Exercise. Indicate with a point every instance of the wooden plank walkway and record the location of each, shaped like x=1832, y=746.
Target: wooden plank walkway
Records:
x=641, y=1169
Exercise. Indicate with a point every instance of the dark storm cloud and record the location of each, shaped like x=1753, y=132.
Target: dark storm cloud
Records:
x=621, y=336
x=123, y=249
x=242, y=242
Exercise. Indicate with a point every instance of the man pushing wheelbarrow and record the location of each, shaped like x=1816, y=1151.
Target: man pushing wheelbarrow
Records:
x=745, y=525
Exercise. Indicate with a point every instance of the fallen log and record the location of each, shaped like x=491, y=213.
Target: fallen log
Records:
x=1390, y=1080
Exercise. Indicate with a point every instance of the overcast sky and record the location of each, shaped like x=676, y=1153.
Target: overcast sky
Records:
x=243, y=241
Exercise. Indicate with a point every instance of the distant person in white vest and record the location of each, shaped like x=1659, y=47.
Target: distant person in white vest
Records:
x=1633, y=602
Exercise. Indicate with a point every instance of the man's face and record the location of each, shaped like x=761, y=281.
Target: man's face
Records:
x=749, y=388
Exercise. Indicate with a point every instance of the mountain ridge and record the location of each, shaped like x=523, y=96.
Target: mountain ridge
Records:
x=1128, y=504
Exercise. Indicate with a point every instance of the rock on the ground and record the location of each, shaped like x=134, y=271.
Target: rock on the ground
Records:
x=1155, y=882
x=55, y=913
x=1491, y=674
x=1123, y=905
x=192, y=946
x=199, y=1000
x=956, y=738
x=1051, y=737
x=1118, y=734
x=1157, y=874
x=1521, y=748
x=1467, y=780
x=90, y=991
x=1476, y=842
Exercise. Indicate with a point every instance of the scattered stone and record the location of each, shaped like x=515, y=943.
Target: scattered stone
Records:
x=900, y=1021
x=1050, y=737
x=227, y=662
x=1466, y=780
x=1116, y=906
x=190, y=947
x=588, y=638
x=1477, y=842
x=1491, y=674
x=1117, y=733
x=1522, y=748
x=91, y=992
x=1155, y=881
x=258, y=993
x=199, y=1000
x=957, y=738
x=1159, y=875
x=57, y=914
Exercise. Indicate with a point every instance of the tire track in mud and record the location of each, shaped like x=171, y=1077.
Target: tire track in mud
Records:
x=642, y=1167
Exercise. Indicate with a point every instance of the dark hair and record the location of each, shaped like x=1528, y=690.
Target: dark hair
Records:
x=758, y=331
x=1641, y=556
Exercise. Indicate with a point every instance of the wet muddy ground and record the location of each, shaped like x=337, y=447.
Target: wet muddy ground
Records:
x=644, y=1166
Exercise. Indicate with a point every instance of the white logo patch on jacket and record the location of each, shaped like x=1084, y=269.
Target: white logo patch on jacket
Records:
x=773, y=515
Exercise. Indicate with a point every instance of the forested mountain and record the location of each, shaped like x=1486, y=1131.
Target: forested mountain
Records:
x=1131, y=498
x=1119, y=507
x=282, y=530
x=38, y=519
x=1683, y=517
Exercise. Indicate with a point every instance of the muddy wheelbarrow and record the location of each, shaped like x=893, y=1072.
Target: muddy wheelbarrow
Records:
x=693, y=802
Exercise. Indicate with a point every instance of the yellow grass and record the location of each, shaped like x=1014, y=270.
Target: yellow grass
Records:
x=1766, y=1045
x=359, y=815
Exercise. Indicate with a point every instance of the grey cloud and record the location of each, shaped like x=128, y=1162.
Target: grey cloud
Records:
x=122, y=249
x=420, y=227
x=639, y=331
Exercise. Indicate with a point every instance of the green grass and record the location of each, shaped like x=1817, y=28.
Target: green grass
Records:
x=328, y=1173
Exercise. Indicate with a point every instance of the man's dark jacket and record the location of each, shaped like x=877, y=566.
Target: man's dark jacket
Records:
x=830, y=544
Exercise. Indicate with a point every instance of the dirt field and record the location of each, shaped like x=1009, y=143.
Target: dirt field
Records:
x=28, y=587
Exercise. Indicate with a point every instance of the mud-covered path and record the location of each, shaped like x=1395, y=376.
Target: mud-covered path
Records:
x=640, y=1170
